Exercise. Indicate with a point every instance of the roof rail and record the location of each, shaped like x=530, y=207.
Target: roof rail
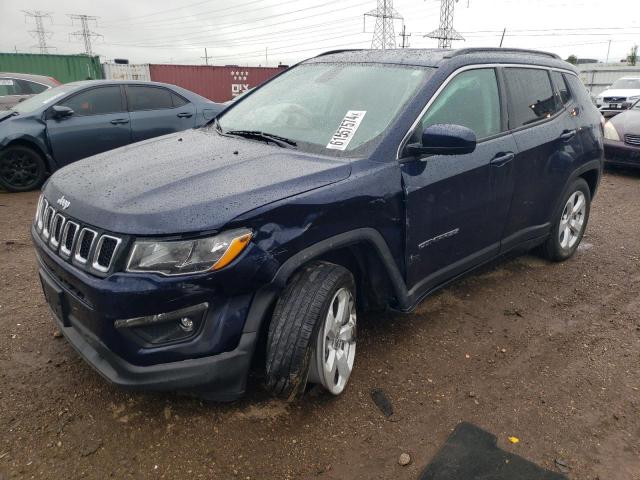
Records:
x=464, y=51
x=341, y=50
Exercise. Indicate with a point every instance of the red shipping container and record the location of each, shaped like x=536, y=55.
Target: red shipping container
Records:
x=215, y=83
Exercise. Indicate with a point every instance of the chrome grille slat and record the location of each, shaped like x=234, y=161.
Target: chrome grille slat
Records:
x=82, y=239
x=49, y=213
x=103, y=259
x=57, y=224
x=69, y=235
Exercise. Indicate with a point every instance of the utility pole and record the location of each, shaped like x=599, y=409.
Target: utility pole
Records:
x=383, y=33
x=86, y=32
x=502, y=39
x=445, y=33
x=40, y=33
x=405, y=36
x=608, y=50
x=266, y=56
x=206, y=56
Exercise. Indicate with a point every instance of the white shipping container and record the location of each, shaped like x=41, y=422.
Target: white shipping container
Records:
x=118, y=71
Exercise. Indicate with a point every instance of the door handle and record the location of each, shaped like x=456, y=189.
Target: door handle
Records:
x=184, y=115
x=502, y=158
x=119, y=121
x=567, y=135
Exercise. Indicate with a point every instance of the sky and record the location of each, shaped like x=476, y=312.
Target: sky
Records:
x=268, y=32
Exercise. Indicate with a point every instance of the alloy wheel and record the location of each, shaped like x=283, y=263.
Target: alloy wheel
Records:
x=572, y=220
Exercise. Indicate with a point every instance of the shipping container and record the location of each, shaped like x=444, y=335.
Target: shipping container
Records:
x=598, y=78
x=126, y=71
x=215, y=83
x=64, y=68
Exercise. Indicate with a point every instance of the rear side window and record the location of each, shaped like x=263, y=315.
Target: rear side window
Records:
x=148, y=98
x=531, y=97
x=8, y=86
x=96, y=101
x=178, y=101
x=30, y=88
x=472, y=100
x=561, y=87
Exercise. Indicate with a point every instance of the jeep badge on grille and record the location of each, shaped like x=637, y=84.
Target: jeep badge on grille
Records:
x=63, y=202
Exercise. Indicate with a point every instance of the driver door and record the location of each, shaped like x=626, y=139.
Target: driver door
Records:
x=99, y=122
x=457, y=205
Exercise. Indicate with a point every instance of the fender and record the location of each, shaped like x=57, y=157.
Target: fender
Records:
x=38, y=144
x=592, y=165
x=266, y=295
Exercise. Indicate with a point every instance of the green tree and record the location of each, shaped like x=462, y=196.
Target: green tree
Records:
x=572, y=59
x=632, y=58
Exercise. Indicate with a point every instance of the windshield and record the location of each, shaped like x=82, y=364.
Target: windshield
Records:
x=45, y=98
x=328, y=107
x=625, y=83
x=637, y=105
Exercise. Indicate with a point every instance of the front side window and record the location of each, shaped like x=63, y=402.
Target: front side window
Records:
x=472, y=100
x=96, y=101
x=328, y=107
x=148, y=98
x=531, y=97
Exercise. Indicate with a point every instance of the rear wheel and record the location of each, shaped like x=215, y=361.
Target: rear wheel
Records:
x=312, y=335
x=569, y=226
x=21, y=169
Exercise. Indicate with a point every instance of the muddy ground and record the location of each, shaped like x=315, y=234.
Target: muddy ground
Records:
x=548, y=353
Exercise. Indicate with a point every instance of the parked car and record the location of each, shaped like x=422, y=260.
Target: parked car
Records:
x=80, y=119
x=355, y=180
x=622, y=138
x=17, y=87
x=619, y=96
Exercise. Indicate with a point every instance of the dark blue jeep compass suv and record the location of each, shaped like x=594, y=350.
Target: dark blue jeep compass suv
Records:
x=355, y=180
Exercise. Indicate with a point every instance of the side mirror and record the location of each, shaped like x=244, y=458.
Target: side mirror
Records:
x=444, y=139
x=60, y=111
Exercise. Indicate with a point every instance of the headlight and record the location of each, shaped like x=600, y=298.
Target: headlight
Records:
x=610, y=132
x=188, y=256
x=599, y=100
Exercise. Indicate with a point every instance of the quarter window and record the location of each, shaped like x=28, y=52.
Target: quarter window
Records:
x=96, y=101
x=472, y=100
x=561, y=87
x=148, y=98
x=531, y=97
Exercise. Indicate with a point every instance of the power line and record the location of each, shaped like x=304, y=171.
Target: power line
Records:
x=445, y=33
x=86, y=32
x=383, y=33
x=40, y=33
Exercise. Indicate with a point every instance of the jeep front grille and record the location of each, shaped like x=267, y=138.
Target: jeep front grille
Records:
x=88, y=248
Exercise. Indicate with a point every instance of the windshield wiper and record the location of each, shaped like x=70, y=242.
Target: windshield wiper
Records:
x=268, y=137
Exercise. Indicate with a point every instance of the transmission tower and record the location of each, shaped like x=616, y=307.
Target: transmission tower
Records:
x=383, y=35
x=86, y=32
x=445, y=33
x=40, y=33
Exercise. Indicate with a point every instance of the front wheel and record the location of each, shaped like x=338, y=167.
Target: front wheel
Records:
x=21, y=169
x=312, y=335
x=570, y=224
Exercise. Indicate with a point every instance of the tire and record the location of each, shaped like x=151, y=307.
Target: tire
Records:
x=570, y=223
x=21, y=169
x=297, y=339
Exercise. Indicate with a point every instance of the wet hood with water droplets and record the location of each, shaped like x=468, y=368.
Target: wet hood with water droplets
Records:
x=186, y=182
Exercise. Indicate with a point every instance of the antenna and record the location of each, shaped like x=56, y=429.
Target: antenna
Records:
x=445, y=33
x=40, y=33
x=383, y=33
x=86, y=32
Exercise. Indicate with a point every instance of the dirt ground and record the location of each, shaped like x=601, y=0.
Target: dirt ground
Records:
x=548, y=353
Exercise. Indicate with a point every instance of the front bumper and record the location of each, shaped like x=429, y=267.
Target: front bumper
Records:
x=214, y=361
x=621, y=153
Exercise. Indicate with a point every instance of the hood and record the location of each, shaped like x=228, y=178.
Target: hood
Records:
x=627, y=122
x=186, y=182
x=620, y=92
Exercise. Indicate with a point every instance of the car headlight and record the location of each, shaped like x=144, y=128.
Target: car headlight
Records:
x=610, y=132
x=188, y=256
